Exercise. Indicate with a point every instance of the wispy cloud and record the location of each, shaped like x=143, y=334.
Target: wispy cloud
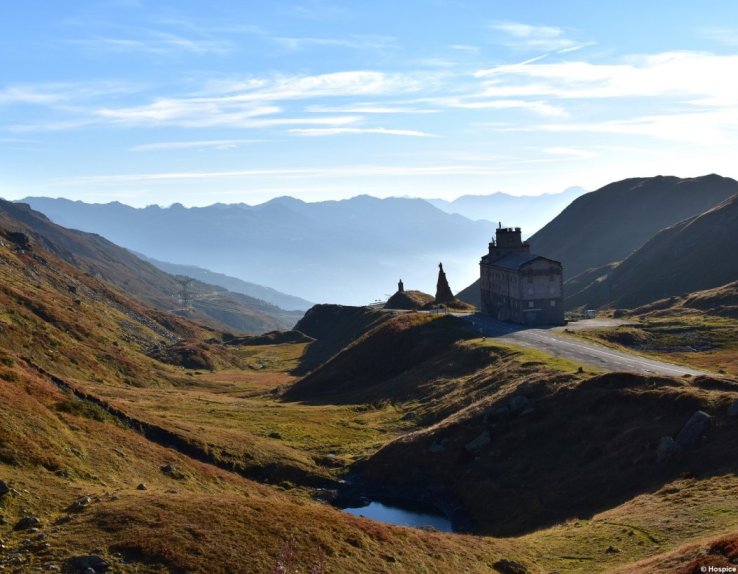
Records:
x=725, y=36
x=657, y=75
x=156, y=42
x=361, y=171
x=570, y=153
x=543, y=38
x=62, y=93
x=241, y=103
x=28, y=95
x=465, y=48
x=336, y=84
x=341, y=131
x=539, y=107
x=192, y=112
x=356, y=42
x=201, y=144
x=370, y=108
x=709, y=128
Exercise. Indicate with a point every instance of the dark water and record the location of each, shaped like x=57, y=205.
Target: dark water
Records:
x=402, y=516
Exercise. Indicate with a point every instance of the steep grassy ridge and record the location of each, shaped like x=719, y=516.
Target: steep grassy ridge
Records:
x=686, y=257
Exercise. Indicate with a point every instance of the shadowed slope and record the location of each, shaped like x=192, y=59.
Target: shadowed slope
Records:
x=693, y=255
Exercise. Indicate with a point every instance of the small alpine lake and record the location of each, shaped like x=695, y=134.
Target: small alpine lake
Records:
x=402, y=516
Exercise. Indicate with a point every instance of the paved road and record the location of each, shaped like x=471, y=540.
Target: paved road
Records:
x=553, y=341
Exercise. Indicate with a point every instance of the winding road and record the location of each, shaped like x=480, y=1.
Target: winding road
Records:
x=553, y=341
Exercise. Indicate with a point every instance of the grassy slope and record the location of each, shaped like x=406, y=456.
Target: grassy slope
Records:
x=207, y=520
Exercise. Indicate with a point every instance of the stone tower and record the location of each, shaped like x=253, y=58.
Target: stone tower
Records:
x=400, y=286
x=443, y=291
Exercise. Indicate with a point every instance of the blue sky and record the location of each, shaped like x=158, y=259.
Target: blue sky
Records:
x=149, y=101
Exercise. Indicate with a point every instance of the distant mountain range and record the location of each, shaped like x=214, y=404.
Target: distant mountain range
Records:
x=606, y=226
x=350, y=251
x=530, y=212
x=283, y=300
x=209, y=305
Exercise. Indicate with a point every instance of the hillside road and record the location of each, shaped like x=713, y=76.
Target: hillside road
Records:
x=553, y=341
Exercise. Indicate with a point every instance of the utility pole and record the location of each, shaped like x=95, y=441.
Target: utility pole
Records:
x=185, y=296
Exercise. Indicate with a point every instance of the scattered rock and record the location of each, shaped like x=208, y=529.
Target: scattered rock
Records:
x=31, y=523
x=437, y=448
x=172, y=472
x=668, y=448
x=275, y=435
x=142, y=486
x=4, y=488
x=518, y=404
x=509, y=567
x=697, y=424
x=733, y=409
x=478, y=444
x=80, y=504
x=612, y=550
x=83, y=564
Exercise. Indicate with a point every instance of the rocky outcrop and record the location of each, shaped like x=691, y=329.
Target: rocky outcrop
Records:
x=87, y=564
x=477, y=445
x=697, y=424
x=668, y=449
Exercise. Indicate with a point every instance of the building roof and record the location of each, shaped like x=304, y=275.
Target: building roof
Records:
x=515, y=261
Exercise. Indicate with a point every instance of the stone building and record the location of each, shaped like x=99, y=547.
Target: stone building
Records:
x=520, y=286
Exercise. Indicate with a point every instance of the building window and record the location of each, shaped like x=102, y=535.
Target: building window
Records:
x=553, y=302
x=530, y=304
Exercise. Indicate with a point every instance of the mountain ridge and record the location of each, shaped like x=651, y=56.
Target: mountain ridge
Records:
x=654, y=272
x=335, y=251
